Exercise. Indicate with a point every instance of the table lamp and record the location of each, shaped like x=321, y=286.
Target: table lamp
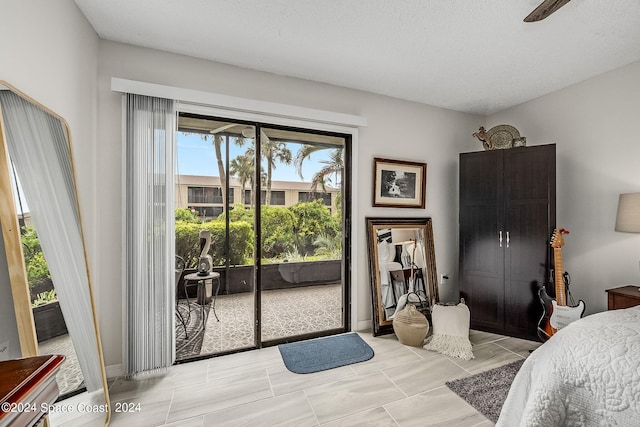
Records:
x=628, y=217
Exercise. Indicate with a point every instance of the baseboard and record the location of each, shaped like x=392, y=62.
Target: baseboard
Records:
x=114, y=371
x=363, y=325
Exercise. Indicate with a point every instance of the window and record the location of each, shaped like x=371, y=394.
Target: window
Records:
x=208, y=212
x=277, y=197
x=247, y=197
x=195, y=195
x=216, y=211
x=206, y=195
x=309, y=196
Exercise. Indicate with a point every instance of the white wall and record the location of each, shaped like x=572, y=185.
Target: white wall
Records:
x=594, y=124
x=50, y=52
x=397, y=129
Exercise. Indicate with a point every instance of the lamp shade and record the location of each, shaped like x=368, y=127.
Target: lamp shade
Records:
x=628, y=217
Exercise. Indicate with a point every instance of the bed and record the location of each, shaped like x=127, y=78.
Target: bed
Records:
x=587, y=374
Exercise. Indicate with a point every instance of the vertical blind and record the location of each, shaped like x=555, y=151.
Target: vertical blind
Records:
x=151, y=125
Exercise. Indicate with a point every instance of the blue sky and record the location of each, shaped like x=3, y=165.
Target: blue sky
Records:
x=197, y=157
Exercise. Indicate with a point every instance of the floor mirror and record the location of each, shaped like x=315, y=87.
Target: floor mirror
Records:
x=402, y=261
x=40, y=210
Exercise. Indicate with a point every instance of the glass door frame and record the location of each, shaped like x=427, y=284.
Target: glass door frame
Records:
x=346, y=266
x=346, y=239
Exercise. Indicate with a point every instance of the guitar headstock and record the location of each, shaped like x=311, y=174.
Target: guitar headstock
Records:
x=557, y=241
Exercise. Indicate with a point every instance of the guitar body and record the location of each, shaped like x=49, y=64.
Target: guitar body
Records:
x=556, y=317
x=557, y=314
x=545, y=330
x=563, y=314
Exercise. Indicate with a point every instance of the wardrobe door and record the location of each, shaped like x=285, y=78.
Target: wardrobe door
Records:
x=481, y=255
x=529, y=200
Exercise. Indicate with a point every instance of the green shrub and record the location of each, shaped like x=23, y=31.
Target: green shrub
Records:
x=312, y=219
x=299, y=229
x=277, y=227
x=186, y=215
x=278, y=235
x=239, y=213
x=188, y=242
x=37, y=269
x=329, y=247
x=35, y=263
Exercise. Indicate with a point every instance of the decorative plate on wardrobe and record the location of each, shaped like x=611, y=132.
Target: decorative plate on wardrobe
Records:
x=501, y=137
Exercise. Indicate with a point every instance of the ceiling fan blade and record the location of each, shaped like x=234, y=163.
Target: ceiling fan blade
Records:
x=546, y=8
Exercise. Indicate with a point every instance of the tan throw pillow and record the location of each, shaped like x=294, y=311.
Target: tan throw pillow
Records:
x=450, y=325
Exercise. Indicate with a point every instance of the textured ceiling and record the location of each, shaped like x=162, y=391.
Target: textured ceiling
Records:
x=466, y=55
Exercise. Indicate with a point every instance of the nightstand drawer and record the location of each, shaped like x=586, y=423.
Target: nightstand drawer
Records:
x=623, y=297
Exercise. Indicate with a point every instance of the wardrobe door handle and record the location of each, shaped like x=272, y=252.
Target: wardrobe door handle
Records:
x=500, y=237
x=507, y=239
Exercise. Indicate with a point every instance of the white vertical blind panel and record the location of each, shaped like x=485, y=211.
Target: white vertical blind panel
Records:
x=150, y=133
x=37, y=141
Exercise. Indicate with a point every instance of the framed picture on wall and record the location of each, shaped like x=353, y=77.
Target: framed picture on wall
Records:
x=399, y=184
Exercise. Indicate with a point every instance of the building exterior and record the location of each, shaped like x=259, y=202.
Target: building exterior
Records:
x=204, y=194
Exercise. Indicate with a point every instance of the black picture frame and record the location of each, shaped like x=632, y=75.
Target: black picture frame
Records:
x=399, y=183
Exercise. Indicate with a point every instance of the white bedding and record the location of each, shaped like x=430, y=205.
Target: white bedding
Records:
x=587, y=374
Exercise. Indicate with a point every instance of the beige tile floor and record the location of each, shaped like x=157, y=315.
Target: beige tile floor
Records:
x=400, y=386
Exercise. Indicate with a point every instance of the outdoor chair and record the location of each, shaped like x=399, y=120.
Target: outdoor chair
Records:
x=179, y=269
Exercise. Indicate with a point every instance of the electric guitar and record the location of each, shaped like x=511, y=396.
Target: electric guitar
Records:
x=557, y=314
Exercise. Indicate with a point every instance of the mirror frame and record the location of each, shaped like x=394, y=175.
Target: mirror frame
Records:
x=15, y=256
x=381, y=326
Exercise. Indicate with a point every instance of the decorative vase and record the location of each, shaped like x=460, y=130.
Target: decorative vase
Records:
x=410, y=326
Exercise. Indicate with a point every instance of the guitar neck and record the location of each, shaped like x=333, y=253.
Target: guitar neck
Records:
x=561, y=297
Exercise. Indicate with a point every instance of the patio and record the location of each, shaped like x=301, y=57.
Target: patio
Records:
x=285, y=312
x=69, y=377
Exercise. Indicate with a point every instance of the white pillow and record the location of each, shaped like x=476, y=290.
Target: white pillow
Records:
x=386, y=252
x=450, y=331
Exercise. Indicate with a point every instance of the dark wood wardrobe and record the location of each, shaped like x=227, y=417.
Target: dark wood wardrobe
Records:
x=507, y=215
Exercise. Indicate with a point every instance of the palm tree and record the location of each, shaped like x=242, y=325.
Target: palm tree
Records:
x=303, y=154
x=217, y=144
x=273, y=151
x=242, y=167
x=334, y=166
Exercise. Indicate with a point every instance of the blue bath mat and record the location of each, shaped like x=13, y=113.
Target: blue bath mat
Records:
x=320, y=354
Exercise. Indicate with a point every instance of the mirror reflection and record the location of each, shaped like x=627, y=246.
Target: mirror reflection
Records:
x=51, y=242
x=403, y=270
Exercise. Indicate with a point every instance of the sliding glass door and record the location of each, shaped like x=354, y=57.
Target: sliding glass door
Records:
x=301, y=234
x=273, y=201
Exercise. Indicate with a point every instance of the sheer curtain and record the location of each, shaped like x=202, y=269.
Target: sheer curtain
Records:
x=51, y=197
x=150, y=238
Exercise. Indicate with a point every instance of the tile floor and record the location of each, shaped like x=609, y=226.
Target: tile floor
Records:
x=400, y=386
x=286, y=312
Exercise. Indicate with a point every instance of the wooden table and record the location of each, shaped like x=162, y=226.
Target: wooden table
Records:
x=623, y=297
x=27, y=388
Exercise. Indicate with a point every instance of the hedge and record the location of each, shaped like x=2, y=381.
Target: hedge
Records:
x=188, y=243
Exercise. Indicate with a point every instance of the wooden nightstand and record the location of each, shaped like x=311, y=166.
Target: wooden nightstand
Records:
x=623, y=297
